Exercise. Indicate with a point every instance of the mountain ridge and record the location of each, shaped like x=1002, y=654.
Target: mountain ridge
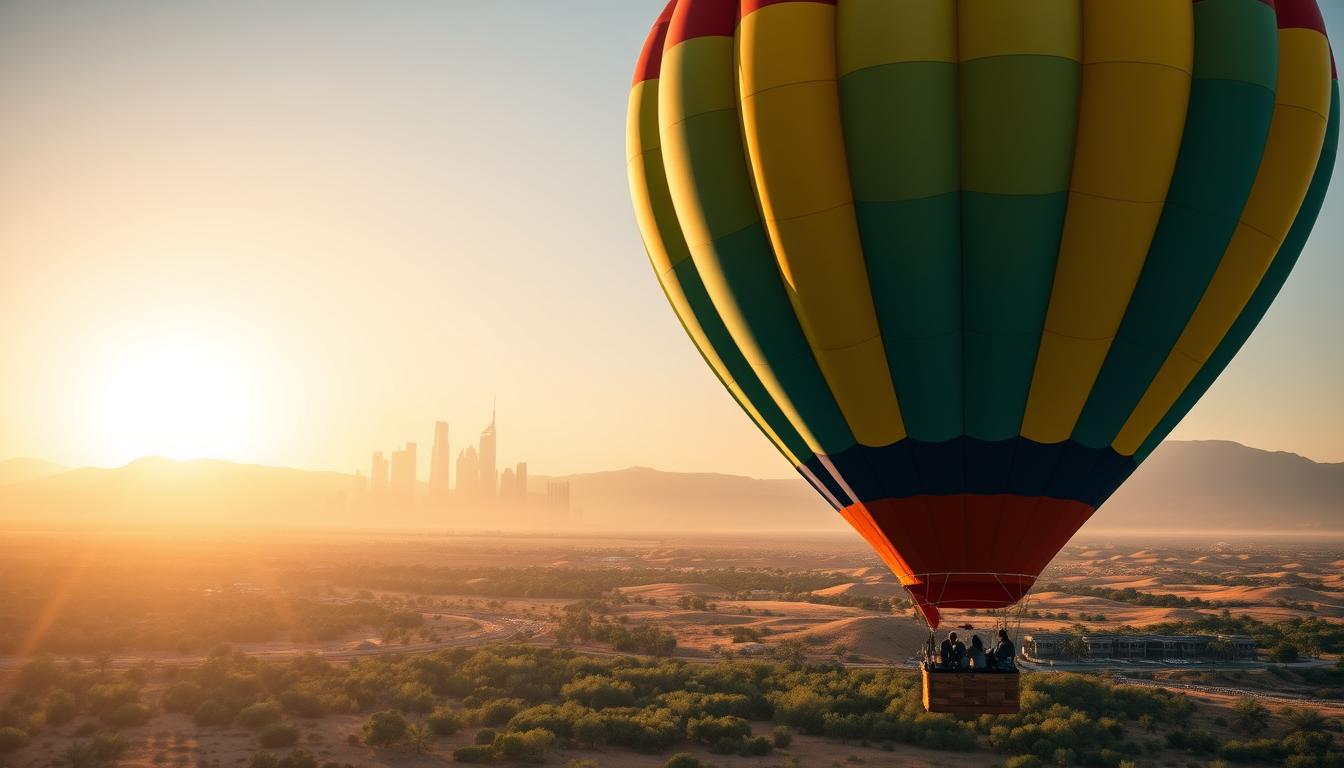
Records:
x=1186, y=485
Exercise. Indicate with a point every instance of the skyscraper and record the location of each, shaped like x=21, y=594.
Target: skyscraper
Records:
x=467, y=476
x=520, y=481
x=378, y=478
x=439, y=461
x=557, y=495
x=506, y=486
x=402, y=485
x=489, y=476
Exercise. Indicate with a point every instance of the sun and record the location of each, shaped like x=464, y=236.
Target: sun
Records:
x=180, y=399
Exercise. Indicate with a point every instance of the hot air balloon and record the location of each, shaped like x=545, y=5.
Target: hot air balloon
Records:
x=966, y=263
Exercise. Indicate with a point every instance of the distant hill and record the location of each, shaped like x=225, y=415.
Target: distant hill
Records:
x=1223, y=485
x=23, y=470
x=156, y=489
x=1185, y=486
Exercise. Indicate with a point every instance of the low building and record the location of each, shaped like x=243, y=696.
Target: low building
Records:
x=1050, y=645
x=1044, y=645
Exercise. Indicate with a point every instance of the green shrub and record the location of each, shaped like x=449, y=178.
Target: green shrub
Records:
x=499, y=711
x=802, y=708
x=299, y=758
x=782, y=737
x=12, y=739
x=301, y=704
x=1196, y=741
x=278, y=735
x=40, y=674
x=756, y=747
x=257, y=715
x=127, y=715
x=79, y=754
x=1258, y=750
x=1023, y=761
x=60, y=708
x=599, y=692
x=183, y=696
x=383, y=729
x=683, y=760
x=485, y=736
x=212, y=712
x=106, y=697
x=530, y=746
x=477, y=753
x=1284, y=653
x=414, y=697
x=444, y=722
x=108, y=747
x=712, y=730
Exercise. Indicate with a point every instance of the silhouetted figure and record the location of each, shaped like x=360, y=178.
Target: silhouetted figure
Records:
x=951, y=653
x=1004, y=652
x=978, y=661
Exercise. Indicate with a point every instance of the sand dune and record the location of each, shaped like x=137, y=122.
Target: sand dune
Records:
x=671, y=590
x=882, y=637
x=1116, y=613
x=1118, y=581
x=810, y=611
x=863, y=589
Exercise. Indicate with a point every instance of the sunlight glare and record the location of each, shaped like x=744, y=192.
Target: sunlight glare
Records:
x=179, y=400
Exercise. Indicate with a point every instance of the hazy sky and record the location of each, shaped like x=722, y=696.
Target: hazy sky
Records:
x=295, y=232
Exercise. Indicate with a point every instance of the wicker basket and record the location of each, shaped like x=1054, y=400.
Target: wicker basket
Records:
x=972, y=693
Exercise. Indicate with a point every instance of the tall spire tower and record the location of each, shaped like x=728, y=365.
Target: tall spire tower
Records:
x=439, y=461
x=489, y=477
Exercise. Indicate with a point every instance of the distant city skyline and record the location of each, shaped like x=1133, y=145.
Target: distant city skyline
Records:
x=289, y=233
x=476, y=479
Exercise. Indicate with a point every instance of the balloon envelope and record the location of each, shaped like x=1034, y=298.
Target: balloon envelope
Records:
x=967, y=263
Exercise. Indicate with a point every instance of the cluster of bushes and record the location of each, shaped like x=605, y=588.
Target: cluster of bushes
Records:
x=1080, y=719
x=185, y=620
x=1303, y=741
x=52, y=693
x=572, y=583
x=580, y=622
x=1130, y=595
x=530, y=746
x=527, y=701
x=298, y=758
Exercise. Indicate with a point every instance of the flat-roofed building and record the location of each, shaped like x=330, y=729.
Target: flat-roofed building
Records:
x=1051, y=645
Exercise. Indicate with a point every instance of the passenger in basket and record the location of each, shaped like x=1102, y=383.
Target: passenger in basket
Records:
x=951, y=653
x=1004, y=653
x=978, y=661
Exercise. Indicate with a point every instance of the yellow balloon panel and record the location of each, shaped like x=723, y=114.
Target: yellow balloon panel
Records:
x=1020, y=27
x=878, y=32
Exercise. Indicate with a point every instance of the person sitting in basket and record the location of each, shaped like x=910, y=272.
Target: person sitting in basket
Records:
x=977, y=658
x=1004, y=653
x=951, y=653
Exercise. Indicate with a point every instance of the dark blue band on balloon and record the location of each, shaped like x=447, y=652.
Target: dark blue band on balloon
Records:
x=1021, y=467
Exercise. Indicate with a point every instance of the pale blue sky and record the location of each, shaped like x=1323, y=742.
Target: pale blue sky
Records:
x=378, y=214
